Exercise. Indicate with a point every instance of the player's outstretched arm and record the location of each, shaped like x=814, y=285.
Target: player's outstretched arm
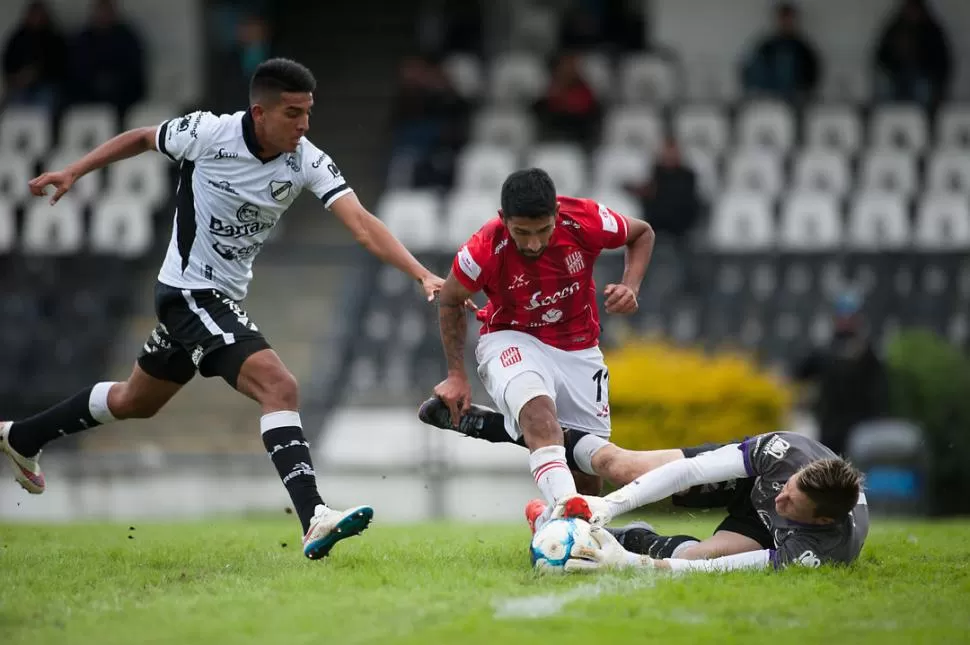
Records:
x=622, y=298
x=127, y=144
x=371, y=233
x=455, y=391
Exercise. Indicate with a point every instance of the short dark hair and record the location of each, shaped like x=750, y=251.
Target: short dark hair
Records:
x=277, y=75
x=528, y=193
x=833, y=485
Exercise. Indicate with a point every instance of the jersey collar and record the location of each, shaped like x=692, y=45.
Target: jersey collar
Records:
x=249, y=136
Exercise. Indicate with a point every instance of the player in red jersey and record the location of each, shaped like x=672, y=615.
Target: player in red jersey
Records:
x=538, y=354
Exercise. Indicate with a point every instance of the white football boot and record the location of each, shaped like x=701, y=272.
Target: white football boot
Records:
x=27, y=470
x=329, y=527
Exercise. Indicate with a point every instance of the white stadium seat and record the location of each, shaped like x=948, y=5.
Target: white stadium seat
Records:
x=620, y=202
x=615, y=166
x=742, y=222
x=25, y=131
x=484, y=167
x=953, y=126
x=15, y=172
x=565, y=163
x=942, y=223
x=878, y=222
x=517, y=77
x=8, y=227
x=143, y=178
x=948, y=170
x=810, y=222
x=413, y=216
x=464, y=71
x=702, y=127
x=647, y=79
x=466, y=211
x=121, y=226
x=821, y=170
x=890, y=171
x=898, y=126
x=508, y=127
x=84, y=189
x=766, y=124
x=84, y=128
x=597, y=71
x=755, y=170
x=847, y=81
x=637, y=127
x=148, y=114
x=53, y=230
x=835, y=127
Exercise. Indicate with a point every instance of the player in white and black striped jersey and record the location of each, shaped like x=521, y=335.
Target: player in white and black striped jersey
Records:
x=238, y=173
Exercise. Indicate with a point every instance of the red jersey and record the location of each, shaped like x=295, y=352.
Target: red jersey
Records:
x=551, y=297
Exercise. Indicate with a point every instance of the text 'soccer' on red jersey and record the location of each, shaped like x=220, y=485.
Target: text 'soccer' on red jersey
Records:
x=551, y=297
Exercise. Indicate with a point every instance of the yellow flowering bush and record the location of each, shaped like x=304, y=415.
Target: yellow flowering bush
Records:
x=663, y=396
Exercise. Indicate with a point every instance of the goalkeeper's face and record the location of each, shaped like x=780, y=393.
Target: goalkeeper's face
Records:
x=286, y=120
x=793, y=504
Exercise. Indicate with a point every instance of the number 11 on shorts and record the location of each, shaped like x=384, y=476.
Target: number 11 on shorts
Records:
x=600, y=377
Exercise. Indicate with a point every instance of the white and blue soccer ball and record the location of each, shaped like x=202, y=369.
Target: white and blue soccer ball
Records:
x=553, y=544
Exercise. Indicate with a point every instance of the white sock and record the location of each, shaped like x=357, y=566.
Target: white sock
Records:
x=548, y=466
x=585, y=448
x=98, y=403
x=683, y=545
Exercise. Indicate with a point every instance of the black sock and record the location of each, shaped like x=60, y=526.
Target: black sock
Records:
x=639, y=539
x=663, y=546
x=67, y=417
x=290, y=453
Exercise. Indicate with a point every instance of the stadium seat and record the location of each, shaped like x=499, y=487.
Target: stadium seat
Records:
x=888, y=171
x=25, y=131
x=533, y=28
x=821, y=170
x=149, y=114
x=83, y=128
x=948, y=170
x=15, y=173
x=86, y=188
x=620, y=202
x=705, y=165
x=766, y=125
x=636, y=127
x=143, y=178
x=898, y=127
x=466, y=211
x=846, y=82
x=878, y=222
x=121, y=226
x=702, y=127
x=506, y=127
x=8, y=228
x=465, y=73
x=834, y=127
x=645, y=78
x=742, y=222
x=517, y=77
x=942, y=223
x=596, y=69
x=565, y=163
x=755, y=170
x=614, y=166
x=414, y=217
x=710, y=80
x=53, y=230
x=810, y=222
x=484, y=167
x=953, y=126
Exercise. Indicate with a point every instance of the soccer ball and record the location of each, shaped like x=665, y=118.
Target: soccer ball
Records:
x=553, y=544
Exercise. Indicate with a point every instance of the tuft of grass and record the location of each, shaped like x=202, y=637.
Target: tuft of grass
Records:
x=246, y=582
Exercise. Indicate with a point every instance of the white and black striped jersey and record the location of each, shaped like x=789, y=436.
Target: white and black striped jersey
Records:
x=228, y=198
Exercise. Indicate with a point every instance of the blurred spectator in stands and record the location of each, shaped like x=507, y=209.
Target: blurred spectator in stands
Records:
x=671, y=204
x=107, y=61
x=616, y=25
x=784, y=64
x=451, y=26
x=913, y=61
x=252, y=45
x=34, y=60
x=429, y=118
x=851, y=380
x=569, y=110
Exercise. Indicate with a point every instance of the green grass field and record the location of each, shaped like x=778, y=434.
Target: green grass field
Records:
x=245, y=581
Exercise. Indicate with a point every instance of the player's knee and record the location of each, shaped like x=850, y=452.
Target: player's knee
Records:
x=539, y=424
x=126, y=402
x=281, y=390
x=609, y=462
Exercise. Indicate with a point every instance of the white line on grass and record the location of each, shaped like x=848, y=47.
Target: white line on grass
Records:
x=550, y=604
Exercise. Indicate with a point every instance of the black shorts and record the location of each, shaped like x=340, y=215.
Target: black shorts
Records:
x=202, y=330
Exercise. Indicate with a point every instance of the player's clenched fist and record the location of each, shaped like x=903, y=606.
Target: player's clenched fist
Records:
x=620, y=299
x=456, y=393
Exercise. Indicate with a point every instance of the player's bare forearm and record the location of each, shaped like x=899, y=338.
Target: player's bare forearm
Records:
x=639, y=250
x=451, y=320
x=371, y=233
x=127, y=144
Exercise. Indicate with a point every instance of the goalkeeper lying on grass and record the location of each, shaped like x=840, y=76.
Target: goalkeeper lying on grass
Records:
x=789, y=499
